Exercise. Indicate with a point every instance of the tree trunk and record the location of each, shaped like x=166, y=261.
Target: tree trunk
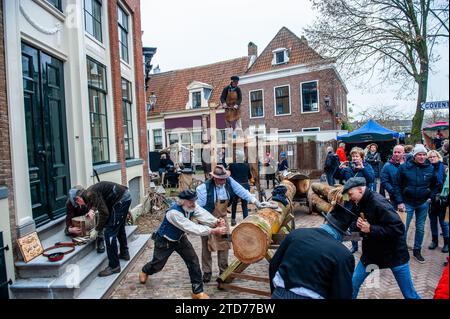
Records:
x=252, y=237
x=416, y=129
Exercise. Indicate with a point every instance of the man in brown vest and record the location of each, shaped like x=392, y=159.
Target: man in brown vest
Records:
x=231, y=99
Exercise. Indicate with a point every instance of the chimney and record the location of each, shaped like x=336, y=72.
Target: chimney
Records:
x=252, y=53
x=252, y=49
x=156, y=70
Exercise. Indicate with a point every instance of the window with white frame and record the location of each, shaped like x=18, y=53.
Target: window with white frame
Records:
x=93, y=18
x=98, y=113
x=199, y=94
x=282, y=106
x=122, y=18
x=280, y=56
x=310, y=97
x=157, y=139
x=256, y=104
x=196, y=100
x=127, y=103
x=311, y=129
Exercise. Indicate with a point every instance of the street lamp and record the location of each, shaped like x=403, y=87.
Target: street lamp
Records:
x=152, y=101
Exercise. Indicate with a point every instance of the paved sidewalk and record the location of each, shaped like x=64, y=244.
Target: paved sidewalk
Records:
x=173, y=281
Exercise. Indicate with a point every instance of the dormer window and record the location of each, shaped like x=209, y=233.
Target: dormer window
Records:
x=280, y=56
x=199, y=94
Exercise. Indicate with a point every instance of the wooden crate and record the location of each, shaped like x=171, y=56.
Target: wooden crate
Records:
x=84, y=223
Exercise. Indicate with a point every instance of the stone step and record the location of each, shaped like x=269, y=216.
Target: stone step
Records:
x=100, y=286
x=78, y=277
x=40, y=267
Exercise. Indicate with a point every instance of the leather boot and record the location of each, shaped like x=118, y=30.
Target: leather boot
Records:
x=418, y=256
x=100, y=245
x=434, y=243
x=143, y=277
x=233, y=222
x=207, y=277
x=200, y=295
x=445, y=248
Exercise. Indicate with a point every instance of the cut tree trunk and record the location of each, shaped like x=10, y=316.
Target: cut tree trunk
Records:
x=252, y=237
x=319, y=205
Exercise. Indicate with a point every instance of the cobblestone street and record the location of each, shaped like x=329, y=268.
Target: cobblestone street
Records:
x=173, y=281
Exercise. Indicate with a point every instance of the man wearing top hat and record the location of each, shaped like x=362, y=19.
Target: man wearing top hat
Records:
x=231, y=99
x=171, y=236
x=215, y=195
x=312, y=263
x=383, y=244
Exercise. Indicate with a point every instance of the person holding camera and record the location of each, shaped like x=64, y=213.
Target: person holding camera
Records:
x=438, y=203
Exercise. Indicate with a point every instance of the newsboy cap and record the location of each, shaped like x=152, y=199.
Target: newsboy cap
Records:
x=353, y=182
x=188, y=195
x=234, y=78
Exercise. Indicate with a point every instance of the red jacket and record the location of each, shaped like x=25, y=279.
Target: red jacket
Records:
x=341, y=153
x=441, y=291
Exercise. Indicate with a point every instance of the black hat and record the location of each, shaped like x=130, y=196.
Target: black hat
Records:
x=340, y=218
x=188, y=195
x=235, y=78
x=353, y=182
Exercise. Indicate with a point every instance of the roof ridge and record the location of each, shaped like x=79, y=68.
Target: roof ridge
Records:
x=201, y=66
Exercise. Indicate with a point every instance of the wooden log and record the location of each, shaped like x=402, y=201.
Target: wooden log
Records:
x=252, y=237
x=318, y=204
x=321, y=189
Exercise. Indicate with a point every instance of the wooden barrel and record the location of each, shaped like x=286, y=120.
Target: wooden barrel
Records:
x=252, y=237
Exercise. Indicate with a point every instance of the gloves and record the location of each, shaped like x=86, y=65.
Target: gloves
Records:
x=93, y=234
x=258, y=204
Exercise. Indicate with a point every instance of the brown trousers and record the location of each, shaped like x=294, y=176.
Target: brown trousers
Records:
x=222, y=258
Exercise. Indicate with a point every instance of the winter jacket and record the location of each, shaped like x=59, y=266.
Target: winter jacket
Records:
x=416, y=183
x=340, y=152
x=331, y=163
x=374, y=159
x=366, y=172
x=441, y=291
x=387, y=180
x=385, y=244
x=102, y=197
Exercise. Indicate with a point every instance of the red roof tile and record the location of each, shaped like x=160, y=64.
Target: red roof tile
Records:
x=171, y=87
x=299, y=52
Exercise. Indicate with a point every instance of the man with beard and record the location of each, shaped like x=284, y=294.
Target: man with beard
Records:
x=171, y=236
x=215, y=195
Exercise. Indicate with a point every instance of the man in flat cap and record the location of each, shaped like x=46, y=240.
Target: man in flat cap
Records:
x=231, y=100
x=171, y=236
x=383, y=244
x=312, y=263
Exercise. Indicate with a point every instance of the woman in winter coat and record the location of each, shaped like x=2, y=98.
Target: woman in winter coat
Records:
x=438, y=205
x=374, y=159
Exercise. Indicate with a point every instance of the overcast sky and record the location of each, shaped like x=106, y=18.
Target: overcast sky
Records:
x=199, y=32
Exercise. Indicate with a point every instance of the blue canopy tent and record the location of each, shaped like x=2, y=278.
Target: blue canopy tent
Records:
x=370, y=132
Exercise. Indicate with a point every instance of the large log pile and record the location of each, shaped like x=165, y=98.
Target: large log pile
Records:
x=252, y=237
x=322, y=197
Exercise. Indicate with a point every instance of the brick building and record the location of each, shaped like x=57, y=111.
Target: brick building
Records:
x=309, y=95
x=72, y=107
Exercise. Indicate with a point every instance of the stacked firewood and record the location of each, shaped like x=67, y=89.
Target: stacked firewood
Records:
x=322, y=197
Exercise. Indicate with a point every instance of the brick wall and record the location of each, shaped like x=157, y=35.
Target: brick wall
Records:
x=5, y=153
x=328, y=85
x=132, y=6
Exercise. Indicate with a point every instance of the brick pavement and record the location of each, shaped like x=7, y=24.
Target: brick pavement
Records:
x=173, y=281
